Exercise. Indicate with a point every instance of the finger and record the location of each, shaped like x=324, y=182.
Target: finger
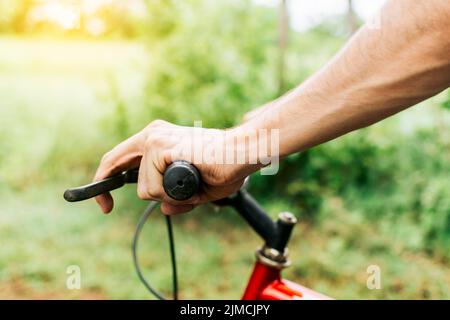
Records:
x=125, y=155
x=170, y=209
x=106, y=202
x=150, y=179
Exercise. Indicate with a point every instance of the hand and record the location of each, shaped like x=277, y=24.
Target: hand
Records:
x=156, y=147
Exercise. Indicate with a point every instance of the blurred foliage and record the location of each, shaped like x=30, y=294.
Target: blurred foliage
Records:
x=376, y=196
x=214, y=69
x=70, y=18
x=446, y=102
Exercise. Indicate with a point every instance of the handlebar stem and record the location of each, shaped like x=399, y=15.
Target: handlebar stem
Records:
x=275, y=234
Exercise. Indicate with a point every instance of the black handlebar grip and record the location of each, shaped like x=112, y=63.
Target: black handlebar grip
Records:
x=181, y=180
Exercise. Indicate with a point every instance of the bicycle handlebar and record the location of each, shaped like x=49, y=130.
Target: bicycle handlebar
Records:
x=181, y=181
x=251, y=211
x=275, y=234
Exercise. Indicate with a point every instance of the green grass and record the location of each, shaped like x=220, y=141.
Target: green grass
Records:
x=43, y=235
x=55, y=97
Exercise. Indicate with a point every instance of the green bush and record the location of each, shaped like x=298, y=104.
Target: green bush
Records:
x=209, y=61
x=216, y=67
x=446, y=102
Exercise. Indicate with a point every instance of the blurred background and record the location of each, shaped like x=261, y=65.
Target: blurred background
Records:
x=79, y=76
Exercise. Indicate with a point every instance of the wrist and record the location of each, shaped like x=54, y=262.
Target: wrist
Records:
x=252, y=146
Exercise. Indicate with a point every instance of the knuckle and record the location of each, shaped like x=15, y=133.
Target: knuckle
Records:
x=169, y=155
x=142, y=192
x=157, y=123
x=152, y=141
x=145, y=193
x=106, y=157
x=216, y=177
x=152, y=194
x=107, y=163
x=219, y=181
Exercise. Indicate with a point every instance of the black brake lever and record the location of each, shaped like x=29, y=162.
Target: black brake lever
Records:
x=97, y=188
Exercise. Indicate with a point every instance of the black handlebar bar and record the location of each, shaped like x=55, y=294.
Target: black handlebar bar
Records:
x=275, y=234
x=252, y=212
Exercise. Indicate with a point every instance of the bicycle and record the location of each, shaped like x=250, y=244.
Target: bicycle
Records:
x=181, y=181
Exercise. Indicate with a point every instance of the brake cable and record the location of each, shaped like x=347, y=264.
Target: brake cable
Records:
x=181, y=181
x=144, y=217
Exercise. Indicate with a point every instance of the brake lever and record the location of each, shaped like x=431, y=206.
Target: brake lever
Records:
x=99, y=187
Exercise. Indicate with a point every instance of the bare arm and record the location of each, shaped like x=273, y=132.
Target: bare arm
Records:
x=377, y=74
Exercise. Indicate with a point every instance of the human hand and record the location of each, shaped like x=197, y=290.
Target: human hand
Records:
x=158, y=145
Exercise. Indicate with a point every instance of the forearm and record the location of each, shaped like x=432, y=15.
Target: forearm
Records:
x=377, y=74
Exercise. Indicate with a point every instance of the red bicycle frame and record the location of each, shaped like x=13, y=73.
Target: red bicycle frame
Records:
x=265, y=283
